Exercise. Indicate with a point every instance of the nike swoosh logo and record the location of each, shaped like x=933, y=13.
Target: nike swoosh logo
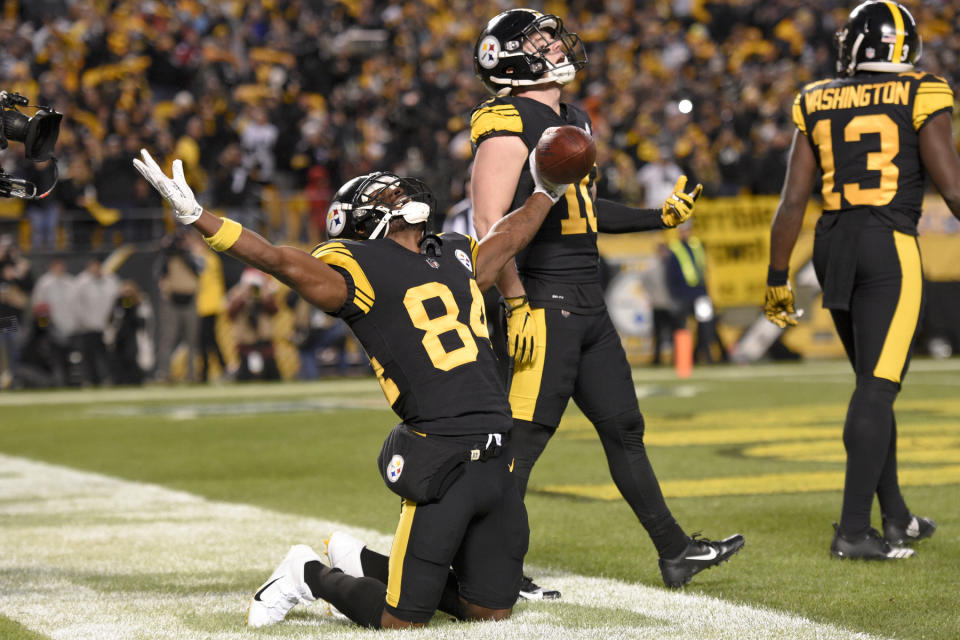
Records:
x=710, y=555
x=264, y=588
x=510, y=466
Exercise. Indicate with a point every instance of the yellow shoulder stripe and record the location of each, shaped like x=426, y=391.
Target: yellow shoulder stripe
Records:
x=932, y=96
x=474, y=249
x=502, y=117
x=798, y=115
x=337, y=254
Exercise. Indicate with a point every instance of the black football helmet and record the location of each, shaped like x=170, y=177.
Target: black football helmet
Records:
x=511, y=51
x=363, y=207
x=879, y=36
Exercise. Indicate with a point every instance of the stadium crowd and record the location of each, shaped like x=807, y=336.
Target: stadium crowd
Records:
x=280, y=102
x=272, y=105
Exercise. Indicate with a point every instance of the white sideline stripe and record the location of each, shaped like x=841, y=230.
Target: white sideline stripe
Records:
x=82, y=554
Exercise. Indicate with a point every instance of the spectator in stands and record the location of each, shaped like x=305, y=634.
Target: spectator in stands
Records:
x=128, y=336
x=211, y=302
x=314, y=334
x=16, y=283
x=178, y=275
x=94, y=293
x=54, y=290
x=687, y=280
x=252, y=306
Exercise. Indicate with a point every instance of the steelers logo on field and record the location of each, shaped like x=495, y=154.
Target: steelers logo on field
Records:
x=488, y=52
x=336, y=220
x=395, y=468
x=464, y=259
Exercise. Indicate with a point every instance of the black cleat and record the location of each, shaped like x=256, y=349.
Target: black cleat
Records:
x=916, y=529
x=529, y=590
x=869, y=546
x=700, y=554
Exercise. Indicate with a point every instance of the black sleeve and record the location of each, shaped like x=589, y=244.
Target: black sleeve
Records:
x=614, y=217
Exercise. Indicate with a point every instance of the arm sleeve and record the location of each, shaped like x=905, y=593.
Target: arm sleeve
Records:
x=614, y=217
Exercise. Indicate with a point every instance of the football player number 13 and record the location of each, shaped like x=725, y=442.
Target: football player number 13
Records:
x=881, y=161
x=433, y=328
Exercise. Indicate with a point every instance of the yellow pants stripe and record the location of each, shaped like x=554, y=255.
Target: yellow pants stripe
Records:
x=896, y=345
x=398, y=552
x=525, y=385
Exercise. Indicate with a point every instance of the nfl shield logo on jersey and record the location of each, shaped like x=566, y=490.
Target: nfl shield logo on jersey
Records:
x=464, y=259
x=395, y=468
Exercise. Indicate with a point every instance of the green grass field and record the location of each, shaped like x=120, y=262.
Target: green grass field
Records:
x=751, y=449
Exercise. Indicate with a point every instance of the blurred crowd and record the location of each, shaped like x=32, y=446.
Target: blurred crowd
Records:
x=272, y=105
x=93, y=327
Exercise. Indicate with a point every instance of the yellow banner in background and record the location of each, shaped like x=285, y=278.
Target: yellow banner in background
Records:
x=735, y=233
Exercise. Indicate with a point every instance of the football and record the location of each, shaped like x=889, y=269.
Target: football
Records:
x=565, y=154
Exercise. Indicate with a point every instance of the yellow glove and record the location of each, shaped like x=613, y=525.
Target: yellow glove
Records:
x=521, y=329
x=779, y=306
x=679, y=206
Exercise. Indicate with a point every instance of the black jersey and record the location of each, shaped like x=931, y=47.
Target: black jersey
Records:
x=560, y=268
x=864, y=132
x=420, y=320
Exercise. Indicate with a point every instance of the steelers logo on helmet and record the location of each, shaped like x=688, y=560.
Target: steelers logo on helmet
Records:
x=488, y=52
x=336, y=220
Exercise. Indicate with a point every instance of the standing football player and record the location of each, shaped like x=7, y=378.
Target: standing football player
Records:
x=871, y=133
x=559, y=333
x=414, y=302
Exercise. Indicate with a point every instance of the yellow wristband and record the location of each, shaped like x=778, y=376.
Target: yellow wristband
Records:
x=226, y=236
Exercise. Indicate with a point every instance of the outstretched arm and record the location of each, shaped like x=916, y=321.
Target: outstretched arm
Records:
x=940, y=159
x=614, y=217
x=314, y=280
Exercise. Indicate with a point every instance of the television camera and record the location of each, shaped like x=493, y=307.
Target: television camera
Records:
x=38, y=135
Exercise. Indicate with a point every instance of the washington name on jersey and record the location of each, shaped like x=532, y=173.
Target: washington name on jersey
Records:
x=864, y=130
x=421, y=321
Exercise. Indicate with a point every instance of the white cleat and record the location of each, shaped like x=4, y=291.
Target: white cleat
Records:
x=343, y=551
x=283, y=589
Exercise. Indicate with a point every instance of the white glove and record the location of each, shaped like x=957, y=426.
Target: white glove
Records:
x=176, y=191
x=541, y=184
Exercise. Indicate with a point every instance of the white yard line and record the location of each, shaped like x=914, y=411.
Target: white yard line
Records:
x=87, y=556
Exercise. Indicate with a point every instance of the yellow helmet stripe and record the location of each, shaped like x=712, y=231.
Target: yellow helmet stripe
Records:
x=901, y=31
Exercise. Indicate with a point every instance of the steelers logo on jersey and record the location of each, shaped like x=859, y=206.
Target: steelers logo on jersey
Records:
x=464, y=259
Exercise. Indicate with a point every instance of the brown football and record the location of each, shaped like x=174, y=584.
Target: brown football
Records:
x=565, y=154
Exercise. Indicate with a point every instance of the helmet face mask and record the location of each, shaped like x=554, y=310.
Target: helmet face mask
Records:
x=363, y=208
x=879, y=36
x=516, y=47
